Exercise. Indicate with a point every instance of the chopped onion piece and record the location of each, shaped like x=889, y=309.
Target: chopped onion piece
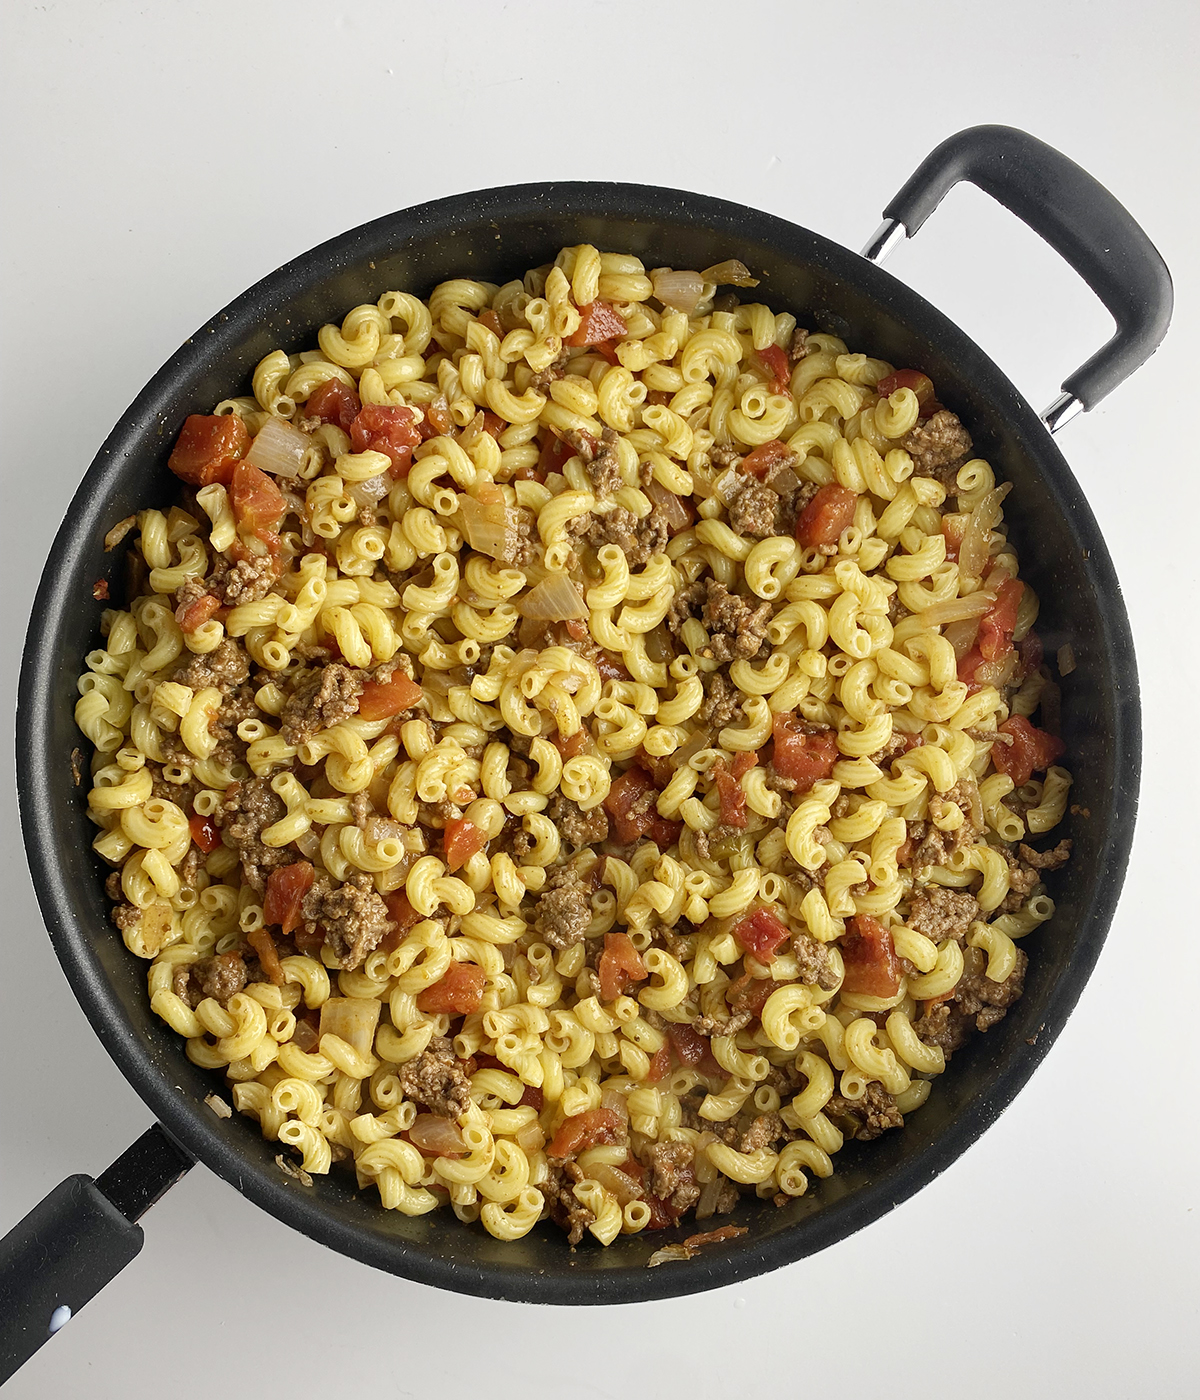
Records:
x=491, y=529
x=960, y=634
x=383, y=829
x=434, y=1134
x=958, y=609
x=366, y=493
x=279, y=448
x=973, y=552
x=784, y=481
x=668, y=1254
x=731, y=273
x=555, y=599
x=727, y=485
x=996, y=673
x=671, y=508
x=1066, y=659
x=353, y=1019
x=681, y=290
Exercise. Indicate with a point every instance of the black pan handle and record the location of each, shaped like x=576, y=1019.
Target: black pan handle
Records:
x=77, y=1240
x=1078, y=217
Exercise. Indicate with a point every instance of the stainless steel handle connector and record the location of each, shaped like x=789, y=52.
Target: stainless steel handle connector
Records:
x=887, y=237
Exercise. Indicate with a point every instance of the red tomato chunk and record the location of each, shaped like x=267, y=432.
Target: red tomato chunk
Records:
x=869, y=958
x=759, y=462
x=461, y=840
x=620, y=966
x=459, y=992
x=630, y=803
x=997, y=624
x=761, y=933
x=392, y=431
x=204, y=832
x=258, y=504
x=195, y=614
x=800, y=756
x=286, y=887
x=264, y=945
x=776, y=362
x=1031, y=750
x=826, y=516
x=584, y=1130
x=333, y=402
x=913, y=379
x=598, y=321
x=208, y=449
x=732, y=798
x=383, y=699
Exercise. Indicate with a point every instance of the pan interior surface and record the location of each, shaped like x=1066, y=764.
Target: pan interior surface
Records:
x=495, y=236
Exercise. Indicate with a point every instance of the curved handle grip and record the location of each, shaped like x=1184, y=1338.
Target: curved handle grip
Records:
x=1078, y=217
x=75, y=1241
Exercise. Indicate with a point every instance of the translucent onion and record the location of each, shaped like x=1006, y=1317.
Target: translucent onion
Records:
x=1066, y=659
x=279, y=448
x=973, y=552
x=961, y=634
x=671, y=508
x=430, y=1133
x=383, y=828
x=615, y=1102
x=555, y=599
x=490, y=529
x=616, y=1183
x=366, y=493
x=958, y=609
x=668, y=1254
x=354, y=1019
x=997, y=673
x=730, y=273
x=727, y=485
x=682, y=290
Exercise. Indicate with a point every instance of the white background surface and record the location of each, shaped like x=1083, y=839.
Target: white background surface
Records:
x=159, y=158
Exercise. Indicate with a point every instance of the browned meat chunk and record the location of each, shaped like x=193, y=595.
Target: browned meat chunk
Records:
x=766, y=1129
x=724, y=455
x=602, y=464
x=567, y=1213
x=713, y=1025
x=799, y=346
x=352, y=915
x=321, y=699
x=812, y=962
x=672, y=1174
x=564, y=909
x=735, y=626
x=753, y=511
x=1046, y=860
x=1023, y=879
x=226, y=668
x=246, y=581
x=978, y=1003
x=576, y=827
x=249, y=808
x=638, y=540
x=221, y=976
x=542, y=380
x=864, y=1118
x=940, y=913
x=437, y=1079
x=722, y=703
x=939, y=447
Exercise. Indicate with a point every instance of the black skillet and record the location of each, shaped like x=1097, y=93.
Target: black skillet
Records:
x=84, y=1232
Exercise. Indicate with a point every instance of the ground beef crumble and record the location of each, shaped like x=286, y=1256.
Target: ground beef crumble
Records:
x=226, y=668
x=320, y=700
x=577, y=827
x=938, y=447
x=864, y=1118
x=566, y=1211
x=638, y=540
x=564, y=908
x=736, y=626
x=221, y=976
x=978, y=1003
x=940, y=913
x=246, y=581
x=438, y=1080
x=352, y=915
x=249, y=807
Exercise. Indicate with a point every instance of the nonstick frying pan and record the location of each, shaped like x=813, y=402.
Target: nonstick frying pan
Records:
x=85, y=1231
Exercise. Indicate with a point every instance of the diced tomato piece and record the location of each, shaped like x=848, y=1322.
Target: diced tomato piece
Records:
x=573, y=745
x=769, y=454
x=286, y=887
x=620, y=965
x=750, y=993
x=493, y=423
x=263, y=943
x=554, y=455
x=334, y=402
x=598, y=322
x=630, y=803
x=826, y=516
x=208, y=449
x=689, y=1045
x=869, y=958
x=742, y=764
x=195, y=614
x=310, y=944
x=800, y=756
x=660, y=767
x=1031, y=750
x=532, y=1098
x=392, y=431
x=461, y=839
x=437, y=421
x=610, y=667
x=660, y=1064
x=732, y=798
x=258, y=504
x=399, y=908
x=913, y=379
x=204, y=832
x=1031, y=652
x=487, y=317
x=761, y=933
x=459, y=991
x=776, y=361
x=607, y=350
x=383, y=699
x=583, y=1130
x=996, y=625
x=664, y=832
